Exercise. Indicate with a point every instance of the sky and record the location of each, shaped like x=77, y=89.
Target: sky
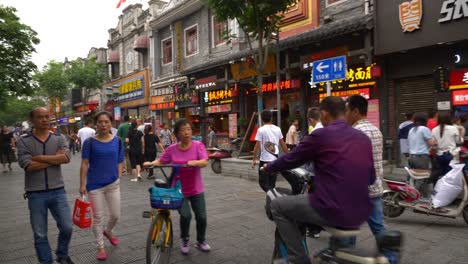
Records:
x=68, y=28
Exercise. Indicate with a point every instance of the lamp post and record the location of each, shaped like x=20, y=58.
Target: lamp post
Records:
x=278, y=80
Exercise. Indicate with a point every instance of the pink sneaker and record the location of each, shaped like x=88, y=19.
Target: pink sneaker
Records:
x=113, y=240
x=101, y=256
x=184, y=247
x=203, y=246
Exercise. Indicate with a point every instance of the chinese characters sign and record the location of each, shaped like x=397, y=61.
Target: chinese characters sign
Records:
x=218, y=97
x=348, y=93
x=458, y=79
x=131, y=89
x=460, y=97
x=284, y=85
x=160, y=106
x=205, y=83
x=410, y=15
x=218, y=108
x=162, y=91
x=355, y=78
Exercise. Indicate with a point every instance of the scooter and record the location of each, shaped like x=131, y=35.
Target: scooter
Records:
x=217, y=154
x=402, y=195
x=335, y=253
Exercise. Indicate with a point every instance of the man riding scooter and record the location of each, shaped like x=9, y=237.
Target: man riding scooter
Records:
x=341, y=198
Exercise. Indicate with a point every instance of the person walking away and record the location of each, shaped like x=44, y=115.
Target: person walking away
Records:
x=7, y=142
x=151, y=149
x=136, y=143
x=403, y=131
x=86, y=131
x=166, y=136
x=193, y=153
x=122, y=133
x=447, y=138
x=212, y=141
x=420, y=140
x=271, y=133
x=292, y=137
x=313, y=119
x=432, y=122
x=100, y=173
x=342, y=180
x=72, y=137
x=356, y=116
x=140, y=125
x=41, y=154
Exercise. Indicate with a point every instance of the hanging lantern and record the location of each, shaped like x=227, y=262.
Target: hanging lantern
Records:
x=170, y=115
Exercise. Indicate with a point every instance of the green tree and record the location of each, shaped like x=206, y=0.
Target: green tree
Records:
x=86, y=74
x=17, y=42
x=259, y=19
x=53, y=83
x=16, y=110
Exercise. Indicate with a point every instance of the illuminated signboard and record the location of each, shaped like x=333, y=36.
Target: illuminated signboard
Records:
x=218, y=97
x=458, y=79
x=460, y=97
x=348, y=93
x=284, y=86
x=131, y=89
x=218, y=108
x=169, y=105
x=355, y=78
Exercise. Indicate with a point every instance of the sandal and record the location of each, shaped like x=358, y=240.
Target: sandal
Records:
x=113, y=240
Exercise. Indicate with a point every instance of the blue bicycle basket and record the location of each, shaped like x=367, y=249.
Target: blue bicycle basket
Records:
x=166, y=198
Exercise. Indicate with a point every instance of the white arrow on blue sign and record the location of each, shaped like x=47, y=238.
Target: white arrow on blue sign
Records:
x=330, y=69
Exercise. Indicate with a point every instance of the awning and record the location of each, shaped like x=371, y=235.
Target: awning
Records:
x=141, y=43
x=113, y=57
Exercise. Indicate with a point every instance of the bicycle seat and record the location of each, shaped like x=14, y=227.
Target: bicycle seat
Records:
x=418, y=174
x=342, y=233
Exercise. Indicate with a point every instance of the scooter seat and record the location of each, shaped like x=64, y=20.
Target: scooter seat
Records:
x=419, y=174
x=342, y=233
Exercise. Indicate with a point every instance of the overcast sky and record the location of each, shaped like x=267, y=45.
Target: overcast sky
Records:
x=68, y=28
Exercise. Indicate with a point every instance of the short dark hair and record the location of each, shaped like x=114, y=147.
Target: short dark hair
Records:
x=266, y=116
x=420, y=119
x=33, y=111
x=333, y=105
x=179, y=124
x=313, y=113
x=463, y=117
x=409, y=115
x=126, y=118
x=88, y=121
x=109, y=115
x=358, y=102
x=148, y=128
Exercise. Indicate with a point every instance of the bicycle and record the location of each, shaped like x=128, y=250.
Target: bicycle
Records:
x=159, y=241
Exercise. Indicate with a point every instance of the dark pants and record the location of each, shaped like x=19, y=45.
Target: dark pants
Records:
x=422, y=162
x=39, y=205
x=136, y=158
x=199, y=208
x=443, y=162
x=266, y=180
x=150, y=156
x=72, y=147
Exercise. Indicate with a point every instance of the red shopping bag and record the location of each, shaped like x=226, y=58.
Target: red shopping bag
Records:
x=82, y=213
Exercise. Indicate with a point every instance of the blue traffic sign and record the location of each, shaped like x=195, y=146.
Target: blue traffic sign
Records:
x=330, y=69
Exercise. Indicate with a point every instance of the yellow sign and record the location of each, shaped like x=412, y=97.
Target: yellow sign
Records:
x=246, y=69
x=130, y=86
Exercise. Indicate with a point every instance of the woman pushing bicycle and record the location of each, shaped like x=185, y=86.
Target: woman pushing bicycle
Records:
x=193, y=154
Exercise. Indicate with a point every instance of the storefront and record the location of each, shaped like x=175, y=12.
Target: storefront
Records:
x=186, y=106
x=133, y=95
x=459, y=90
x=163, y=95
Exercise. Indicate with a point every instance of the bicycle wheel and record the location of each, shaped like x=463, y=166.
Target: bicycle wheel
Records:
x=159, y=242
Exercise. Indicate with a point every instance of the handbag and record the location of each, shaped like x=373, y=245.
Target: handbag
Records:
x=82, y=212
x=166, y=198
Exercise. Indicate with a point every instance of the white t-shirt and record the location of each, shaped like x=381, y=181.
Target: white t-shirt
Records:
x=85, y=133
x=141, y=128
x=270, y=133
x=449, y=140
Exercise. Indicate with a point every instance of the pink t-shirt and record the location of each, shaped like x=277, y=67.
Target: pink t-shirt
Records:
x=190, y=178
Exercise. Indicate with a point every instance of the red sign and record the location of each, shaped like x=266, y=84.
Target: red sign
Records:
x=458, y=79
x=308, y=59
x=460, y=97
x=284, y=85
x=348, y=93
x=206, y=82
x=168, y=105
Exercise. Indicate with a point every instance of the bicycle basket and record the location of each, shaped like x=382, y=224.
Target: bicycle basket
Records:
x=166, y=198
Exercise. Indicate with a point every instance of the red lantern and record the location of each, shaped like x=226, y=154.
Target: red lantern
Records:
x=170, y=115
x=376, y=71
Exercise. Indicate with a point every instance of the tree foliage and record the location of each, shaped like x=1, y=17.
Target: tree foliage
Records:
x=259, y=19
x=86, y=74
x=17, y=42
x=52, y=81
x=16, y=110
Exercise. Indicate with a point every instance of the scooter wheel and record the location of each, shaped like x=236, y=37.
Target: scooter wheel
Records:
x=465, y=213
x=390, y=205
x=216, y=166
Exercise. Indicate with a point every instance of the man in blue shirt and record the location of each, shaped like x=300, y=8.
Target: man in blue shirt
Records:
x=344, y=170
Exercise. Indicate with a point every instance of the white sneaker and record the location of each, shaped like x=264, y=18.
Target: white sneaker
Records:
x=134, y=180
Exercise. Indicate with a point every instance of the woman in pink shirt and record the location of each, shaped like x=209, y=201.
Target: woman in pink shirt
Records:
x=192, y=153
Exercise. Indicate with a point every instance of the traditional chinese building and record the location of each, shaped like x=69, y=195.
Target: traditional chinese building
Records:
x=422, y=47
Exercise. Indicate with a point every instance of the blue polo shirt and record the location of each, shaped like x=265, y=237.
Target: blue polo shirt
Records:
x=104, y=158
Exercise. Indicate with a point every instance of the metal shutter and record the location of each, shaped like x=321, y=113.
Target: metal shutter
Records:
x=414, y=94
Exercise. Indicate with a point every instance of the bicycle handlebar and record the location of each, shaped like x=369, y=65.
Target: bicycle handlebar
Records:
x=169, y=166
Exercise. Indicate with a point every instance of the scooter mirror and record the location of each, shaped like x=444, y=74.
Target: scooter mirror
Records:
x=271, y=148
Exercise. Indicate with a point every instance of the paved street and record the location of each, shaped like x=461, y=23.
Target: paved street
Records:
x=238, y=230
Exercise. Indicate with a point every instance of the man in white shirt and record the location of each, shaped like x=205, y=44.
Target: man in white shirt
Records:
x=271, y=133
x=86, y=131
x=140, y=126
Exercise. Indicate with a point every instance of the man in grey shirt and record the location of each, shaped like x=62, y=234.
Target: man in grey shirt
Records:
x=40, y=154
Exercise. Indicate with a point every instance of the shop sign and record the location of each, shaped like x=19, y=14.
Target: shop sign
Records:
x=460, y=97
x=356, y=77
x=218, y=108
x=458, y=79
x=348, y=93
x=168, y=105
x=185, y=97
x=245, y=69
x=131, y=89
x=453, y=10
x=218, y=97
x=206, y=83
x=410, y=15
x=162, y=91
x=284, y=85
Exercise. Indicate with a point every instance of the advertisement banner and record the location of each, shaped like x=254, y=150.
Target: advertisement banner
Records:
x=117, y=113
x=233, y=125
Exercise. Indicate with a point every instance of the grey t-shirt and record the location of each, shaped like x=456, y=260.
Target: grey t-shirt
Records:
x=41, y=180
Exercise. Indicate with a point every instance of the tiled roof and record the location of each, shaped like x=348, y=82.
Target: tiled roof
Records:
x=327, y=31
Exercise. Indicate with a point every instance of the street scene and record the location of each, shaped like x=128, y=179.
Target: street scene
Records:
x=214, y=131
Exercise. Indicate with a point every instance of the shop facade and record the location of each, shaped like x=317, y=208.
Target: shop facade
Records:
x=163, y=96
x=419, y=52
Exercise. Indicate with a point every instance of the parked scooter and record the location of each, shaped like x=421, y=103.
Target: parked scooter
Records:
x=217, y=154
x=300, y=179
x=404, y=195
